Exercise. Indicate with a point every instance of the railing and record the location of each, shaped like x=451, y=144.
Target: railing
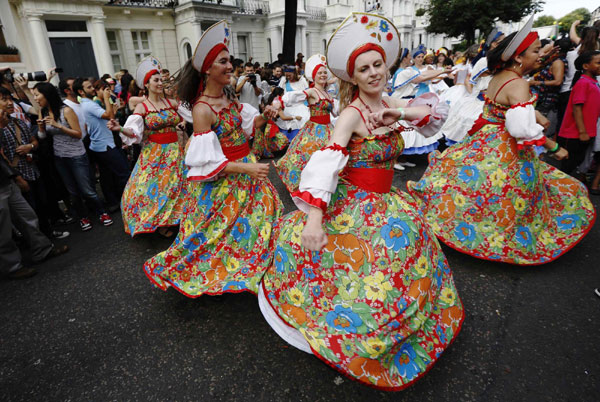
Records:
x=144, y=3
x=252, y=7
x=316, y=13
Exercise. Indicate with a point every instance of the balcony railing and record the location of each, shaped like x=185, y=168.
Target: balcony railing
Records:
x=144, y=3
x=316, y=13
x=252, y=7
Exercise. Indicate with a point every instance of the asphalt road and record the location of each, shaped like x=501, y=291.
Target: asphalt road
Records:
x=90, y=326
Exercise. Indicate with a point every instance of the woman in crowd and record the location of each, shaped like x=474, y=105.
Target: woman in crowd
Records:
x=292, y=82
x=461, y=87
x=358, y=278
x=490, y=196
x=316, y=133
x=60, y=122
x=231, y=210
x=271, y=139
x=154, y=196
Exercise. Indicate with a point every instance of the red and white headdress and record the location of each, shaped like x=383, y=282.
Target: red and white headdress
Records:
x=214, y=40
x=359, y=33
x=521, y=41
x=313, y=64
x=146, y=69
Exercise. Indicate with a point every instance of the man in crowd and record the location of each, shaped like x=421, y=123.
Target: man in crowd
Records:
x=70, y=99
x=102, y=147
x=248, y=86
x=276, y=77
x=14, y=210
x=238, y=70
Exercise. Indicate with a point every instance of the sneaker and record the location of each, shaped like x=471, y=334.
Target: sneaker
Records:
x=407, y=164
x=57, y=234
x=398, y=166
x=105, y=219
x=65, y=221
x=85, y=224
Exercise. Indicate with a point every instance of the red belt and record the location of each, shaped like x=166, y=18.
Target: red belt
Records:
x=237, y=152
x=376, y=180
x=163, y=138
x=480, y=122
x=325, y=119
x=273, y=129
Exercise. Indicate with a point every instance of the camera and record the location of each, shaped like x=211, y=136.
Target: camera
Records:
x=8, y=76
x=252, y=80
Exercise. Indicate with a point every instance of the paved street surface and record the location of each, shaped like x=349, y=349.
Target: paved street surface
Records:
x=91, y=327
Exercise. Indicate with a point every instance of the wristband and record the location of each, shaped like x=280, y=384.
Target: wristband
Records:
x=120, y=129
x=402, y=113
x=554, y=149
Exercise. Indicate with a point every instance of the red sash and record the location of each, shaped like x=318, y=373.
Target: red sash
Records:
x=325, y=119
x=376, y=180
x=163, y=138
x=237, y=152
x=480, y=122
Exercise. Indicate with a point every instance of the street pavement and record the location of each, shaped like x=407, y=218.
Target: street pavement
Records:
x=91, y=327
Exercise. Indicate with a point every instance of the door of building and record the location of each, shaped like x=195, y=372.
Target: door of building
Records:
x=75, y=56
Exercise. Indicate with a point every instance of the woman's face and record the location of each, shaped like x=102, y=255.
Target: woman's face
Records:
x=370, y=72
x=419, y=59
x=441, y=58
x=221, y=69
x=155, y=84
x=40, y=98
x=530, y=60
x=428, y=59
x=321, y=76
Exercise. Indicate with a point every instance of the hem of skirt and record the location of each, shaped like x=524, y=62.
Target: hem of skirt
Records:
x=168, y=284
x=146, y=231
x=421, y=150
x=349, y=376
x=486, y=258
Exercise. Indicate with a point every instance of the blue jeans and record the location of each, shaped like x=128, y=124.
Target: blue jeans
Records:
x=75, y=174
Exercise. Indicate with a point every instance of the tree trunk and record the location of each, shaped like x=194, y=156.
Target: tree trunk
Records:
x=289, y=31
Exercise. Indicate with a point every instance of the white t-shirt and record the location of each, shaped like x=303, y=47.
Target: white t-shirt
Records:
x=247, y=94
x=570, y=73
x=80, y=116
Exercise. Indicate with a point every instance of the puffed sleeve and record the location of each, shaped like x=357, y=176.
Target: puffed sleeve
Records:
x=205, y=157
x=319, y=178
x=431, y=124
x=185, y=113
x=292, y=98
x=135, y=123
x=402, y=83
x=249, y=113
x=521, y=124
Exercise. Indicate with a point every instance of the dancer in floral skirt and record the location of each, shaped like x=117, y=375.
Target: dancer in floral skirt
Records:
x=154, y=196
x=490, y=196
x=358, y=278
x=225, y=238
x=316, y=133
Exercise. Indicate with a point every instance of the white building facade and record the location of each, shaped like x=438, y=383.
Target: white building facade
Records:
x=93, y=37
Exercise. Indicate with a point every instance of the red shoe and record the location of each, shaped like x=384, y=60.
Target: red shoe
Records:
x=85, y=224
x=105, y=219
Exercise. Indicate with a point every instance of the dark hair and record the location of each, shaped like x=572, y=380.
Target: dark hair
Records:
x=237, y=63
x=164, y=71
x=589, y=40
x=583, y=58
x=78, y=84
x=63, y=85
x=266, y=74
x=105, y=76
x=249, y=64
x=125, y=82
x=564, y=45
x=277, y=91
x=50, y=92
x=100, y=84
x=5, y=93
x=188, y=81
x=494, y=56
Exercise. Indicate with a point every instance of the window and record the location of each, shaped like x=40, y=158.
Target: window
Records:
x=141, y=44
x=65, y=26
x=188, y=50
x=115, y=53
x=242, y=52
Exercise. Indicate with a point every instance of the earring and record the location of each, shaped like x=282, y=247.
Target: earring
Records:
x=520, y=65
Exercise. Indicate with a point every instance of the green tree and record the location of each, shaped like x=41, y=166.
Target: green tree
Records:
x=544, y=20
x=579, y=14
x=461, y=18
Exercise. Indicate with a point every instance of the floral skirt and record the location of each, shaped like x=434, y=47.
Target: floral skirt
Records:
x=311, y=138
x=486, y=198
x=378, y=302
x=225, y=238
x=155, y=192
x=269, y=140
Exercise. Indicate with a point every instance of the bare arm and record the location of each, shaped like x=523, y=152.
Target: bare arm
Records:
x=573, y=32
x=73, y=131
x=578, y=116
x=109, y=111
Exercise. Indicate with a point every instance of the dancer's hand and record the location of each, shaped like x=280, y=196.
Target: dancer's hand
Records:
x=561, y=154
x=271, y=111
x=113, y=125
x=313, y=235
x=257, y=170
x=385, y=117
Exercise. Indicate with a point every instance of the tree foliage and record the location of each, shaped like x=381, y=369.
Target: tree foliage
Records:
x=461, y=18
x=579, y=14
x=544, y=20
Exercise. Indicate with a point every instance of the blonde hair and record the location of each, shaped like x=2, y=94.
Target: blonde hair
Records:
x=348, y=92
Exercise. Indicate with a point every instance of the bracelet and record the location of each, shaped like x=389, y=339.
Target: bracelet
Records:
x=554, y=149
x=120, y=129
x=402, y=113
